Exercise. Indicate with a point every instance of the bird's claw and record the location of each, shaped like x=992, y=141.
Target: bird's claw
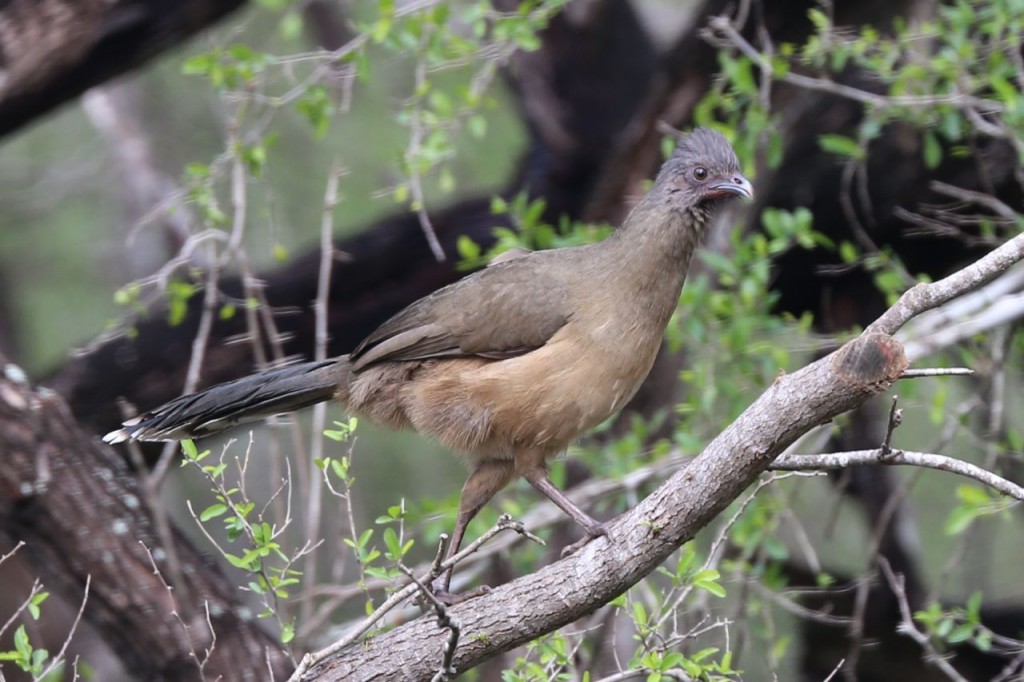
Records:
x=591, y=533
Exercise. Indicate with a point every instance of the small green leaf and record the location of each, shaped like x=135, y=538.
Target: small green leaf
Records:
x=213, y=511
x=973, y=495
x=707, y=580
x=959, y=519
x=961, y=633
x=21, y=643
x=841, y=145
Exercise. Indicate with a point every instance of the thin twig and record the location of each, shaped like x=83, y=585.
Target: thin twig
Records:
x=59, y=658
x=980, y=198
x=835, y=671
x=843, y=460
x=37, y=587
x=936, y=372
x=444, y=620
x=176, y=611
x=442, y=547
x=895, y=419
x=412, y=157
x=908, y=628
x=856, y=632
x=5, y=557
x=320, y=308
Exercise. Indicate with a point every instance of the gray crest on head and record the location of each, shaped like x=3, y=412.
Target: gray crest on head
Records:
x=706, y=146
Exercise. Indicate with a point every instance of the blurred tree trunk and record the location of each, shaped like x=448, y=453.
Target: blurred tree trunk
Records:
x=83, y=516
x=51, y=51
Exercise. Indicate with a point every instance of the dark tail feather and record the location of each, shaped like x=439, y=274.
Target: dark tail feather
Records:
x=220, y=407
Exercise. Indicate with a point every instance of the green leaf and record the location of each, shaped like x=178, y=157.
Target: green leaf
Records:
x=290, y=27
x=961, y=633
x=959, y=519
x=317, y=106
x=213, y=511
x=973, y=495
x=35, y=603
x=127, y=294
x=199, y=65
x=841, y=145
x=707, y=580
x=973, y=605
x=639, y=614
x=467, y=248
x=393, y=546
x=848, y=252
x=21, y=643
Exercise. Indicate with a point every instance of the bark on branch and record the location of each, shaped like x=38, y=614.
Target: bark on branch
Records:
x=82, y=514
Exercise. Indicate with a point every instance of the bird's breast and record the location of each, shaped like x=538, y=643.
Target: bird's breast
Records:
x=549, y=397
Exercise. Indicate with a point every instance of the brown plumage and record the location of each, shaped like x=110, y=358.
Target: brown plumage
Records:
x=508, y=365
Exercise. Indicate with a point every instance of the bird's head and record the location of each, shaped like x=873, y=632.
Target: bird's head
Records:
x=702, y=171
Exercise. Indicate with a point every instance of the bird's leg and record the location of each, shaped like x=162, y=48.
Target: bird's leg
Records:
x=538, y=478
x=486, y=479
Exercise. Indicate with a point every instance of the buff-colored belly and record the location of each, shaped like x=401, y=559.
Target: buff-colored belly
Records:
x=538, y=402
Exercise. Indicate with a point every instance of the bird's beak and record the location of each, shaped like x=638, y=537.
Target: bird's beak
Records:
x=736, y=185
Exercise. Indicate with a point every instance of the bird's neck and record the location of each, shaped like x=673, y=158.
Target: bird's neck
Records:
x=651, y=253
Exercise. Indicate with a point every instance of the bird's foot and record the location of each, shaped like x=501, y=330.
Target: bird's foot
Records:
x=591, y=532
x=441, y=593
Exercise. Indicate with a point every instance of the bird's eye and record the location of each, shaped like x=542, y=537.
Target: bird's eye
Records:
x=700, y=173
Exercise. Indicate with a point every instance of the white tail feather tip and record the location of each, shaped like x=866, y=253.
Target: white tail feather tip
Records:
x=119, y=436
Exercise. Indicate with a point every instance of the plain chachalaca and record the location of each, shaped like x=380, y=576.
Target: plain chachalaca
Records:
x=512, y=363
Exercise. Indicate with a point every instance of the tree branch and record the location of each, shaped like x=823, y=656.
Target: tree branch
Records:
x=927, y=296
x=845, y=460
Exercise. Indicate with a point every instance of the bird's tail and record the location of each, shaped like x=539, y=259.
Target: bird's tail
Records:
x=220, y=407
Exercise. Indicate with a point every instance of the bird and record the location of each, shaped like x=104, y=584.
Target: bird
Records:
x=510, y=364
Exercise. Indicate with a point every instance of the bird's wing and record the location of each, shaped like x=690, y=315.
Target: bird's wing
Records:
x=505, y=310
